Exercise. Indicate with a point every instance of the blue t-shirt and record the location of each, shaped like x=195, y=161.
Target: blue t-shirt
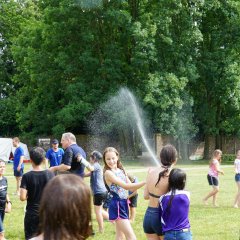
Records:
x=16, y=158
x=55, y=158
x=70, y=158
x=96, y=180
x=175, y=218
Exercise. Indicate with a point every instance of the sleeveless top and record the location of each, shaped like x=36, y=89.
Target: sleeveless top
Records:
x=116, y=190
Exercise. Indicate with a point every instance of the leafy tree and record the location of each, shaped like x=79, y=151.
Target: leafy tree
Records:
x=216, y=93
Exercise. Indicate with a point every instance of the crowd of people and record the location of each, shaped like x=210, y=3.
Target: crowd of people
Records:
x=59, y=201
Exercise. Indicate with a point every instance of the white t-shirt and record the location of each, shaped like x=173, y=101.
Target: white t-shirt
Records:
x=237, y=165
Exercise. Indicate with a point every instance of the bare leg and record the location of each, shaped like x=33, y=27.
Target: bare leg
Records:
x=2, y=236
x=211, y=194
x=99, y=216
x=124, y=226
x=237, y=198
x=18, y=179
x=132, y=214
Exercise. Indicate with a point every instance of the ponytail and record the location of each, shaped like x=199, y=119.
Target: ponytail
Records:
x=162, y=174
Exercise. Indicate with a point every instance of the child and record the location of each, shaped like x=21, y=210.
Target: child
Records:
x=65, y=209
x=156, y=186
x=133, y=196
x=98, y=188
x=175, y=208
x=118, y=184
x=214, y=170
x=4, y=198
x=237, y=179
x=31, y=189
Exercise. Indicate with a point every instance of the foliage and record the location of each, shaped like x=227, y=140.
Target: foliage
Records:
x=228, y=158
x=60, y=60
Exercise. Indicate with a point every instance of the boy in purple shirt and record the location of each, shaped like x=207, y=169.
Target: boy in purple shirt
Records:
x=175, y=208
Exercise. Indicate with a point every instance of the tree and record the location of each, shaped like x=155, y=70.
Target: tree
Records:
x=216, y=93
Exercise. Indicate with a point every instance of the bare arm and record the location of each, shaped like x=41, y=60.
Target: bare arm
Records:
x=146, y=193
x=23, y=194
x=132, y=194
x=111, y=178
x=62, y=168
x=20, y=163
x=87, y=174
x=218, y=169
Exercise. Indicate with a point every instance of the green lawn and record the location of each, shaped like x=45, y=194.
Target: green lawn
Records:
x=206, y=222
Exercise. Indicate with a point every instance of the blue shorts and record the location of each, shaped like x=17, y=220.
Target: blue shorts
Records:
x=18, y=173
x=179, y=235
x=213, y=181
x=237, y=177
x=152, y=222
x=118, y=209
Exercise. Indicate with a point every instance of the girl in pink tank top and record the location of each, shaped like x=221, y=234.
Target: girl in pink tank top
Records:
x=214, y=170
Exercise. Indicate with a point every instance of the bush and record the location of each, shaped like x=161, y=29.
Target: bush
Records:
x=228, y=158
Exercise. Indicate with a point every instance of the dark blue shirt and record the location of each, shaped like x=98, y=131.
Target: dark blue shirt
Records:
x=16, y=158
x=55, y=158
x=70, y=158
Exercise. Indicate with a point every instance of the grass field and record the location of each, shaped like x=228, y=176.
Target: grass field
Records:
x=222, y=223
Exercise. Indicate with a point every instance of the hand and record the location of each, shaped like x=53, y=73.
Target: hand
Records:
x=79, y=158
x=51, y=169
x=222, y=172
x=18, y=168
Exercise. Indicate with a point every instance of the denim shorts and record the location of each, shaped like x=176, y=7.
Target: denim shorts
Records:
x=178, y=235
x=2, y=213
x=237, y=177
x=152, y=223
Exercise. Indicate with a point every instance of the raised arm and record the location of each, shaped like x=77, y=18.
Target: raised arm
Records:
x=111, y=178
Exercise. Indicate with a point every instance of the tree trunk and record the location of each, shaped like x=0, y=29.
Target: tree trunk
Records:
x=206, y=147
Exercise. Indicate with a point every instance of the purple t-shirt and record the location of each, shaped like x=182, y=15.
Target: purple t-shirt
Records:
x=175, y=218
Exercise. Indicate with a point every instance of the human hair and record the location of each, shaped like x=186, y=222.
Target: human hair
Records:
x=168, y=156
x=65, y=209
x=96, y=156
x=69, y=136
x=176, y=181
x=16, y=139
x=2, y=161
x=37, y=155
x=131, y=178
x=214, y=155
x=119, y=164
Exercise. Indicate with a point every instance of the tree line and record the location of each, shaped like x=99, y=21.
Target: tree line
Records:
x=60, y=59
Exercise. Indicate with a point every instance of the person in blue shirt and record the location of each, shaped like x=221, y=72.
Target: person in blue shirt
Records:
x=55, y=154
x=74, y=158
x=18, y=165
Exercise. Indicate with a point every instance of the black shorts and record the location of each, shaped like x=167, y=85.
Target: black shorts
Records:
x=213, y=181
x=99, y=198
x=133, y=201
x=107, y=200
x=31, y=222
x=18, y=173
